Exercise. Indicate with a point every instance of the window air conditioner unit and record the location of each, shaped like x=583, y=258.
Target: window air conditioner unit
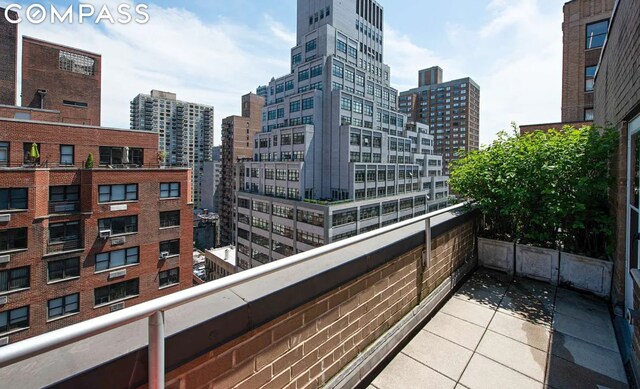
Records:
x=118, y=240
x=118, y=273
x=64, y=207
x=4, y=341
x=3, y=300
x=5, y=258
x=164, y=255
x=104, y=234
x=116, y=307
x=5, y=218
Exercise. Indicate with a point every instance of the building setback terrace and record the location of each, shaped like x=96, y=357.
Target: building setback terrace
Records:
x=498, y=333
x=332, y=316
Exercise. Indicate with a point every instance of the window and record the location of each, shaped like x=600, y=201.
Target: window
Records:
x=307, y=103
x=280, y=112
x=341, y=46
x=357, y=106
x=63, y=306
x=596, y=34
x=169, y=219
x=313, y=218
x=170, y=246
x=119, y=225
x=4, y=153
x=311, y=45
x=349, y=75
x=345, y=217
x=13, y=239
x=316, y=71
x=14, y=279
x=68, y=193
x=282, y=211
x=288, y=85
x=169, y=277
x=589, y=74
x=121, y=192
x=13, y=198
x=76, y=63
x=307, y=119
x=117, y=258
x=14, y=319
x=353, y=52
x=310, y=238
x=296, y=59
x=115, y=156
x=169, y=189
x=345, y=103
x=359, y=79
x=294, y=106
x=63, y=232
x=114, y=292
x=66, y=155
x=63, y=269
x=338, y=70
x=298, y=138
x=588, y=114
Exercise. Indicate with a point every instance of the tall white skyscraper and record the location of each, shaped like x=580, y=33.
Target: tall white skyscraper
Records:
x=335, y=156
x=185, y=131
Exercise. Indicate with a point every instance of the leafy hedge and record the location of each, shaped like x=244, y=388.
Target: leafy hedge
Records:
x=548, y=189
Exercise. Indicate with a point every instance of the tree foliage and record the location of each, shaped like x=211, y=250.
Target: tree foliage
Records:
x=548, y=189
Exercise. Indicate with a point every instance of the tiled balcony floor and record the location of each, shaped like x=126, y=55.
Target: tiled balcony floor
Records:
x=496, y=333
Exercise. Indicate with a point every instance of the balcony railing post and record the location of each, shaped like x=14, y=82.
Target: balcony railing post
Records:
x=426, y=259
x=156, y=350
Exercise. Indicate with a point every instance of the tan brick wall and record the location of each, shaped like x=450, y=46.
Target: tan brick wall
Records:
x=309, y=345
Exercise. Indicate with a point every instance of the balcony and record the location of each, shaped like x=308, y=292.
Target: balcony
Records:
x=340, y=316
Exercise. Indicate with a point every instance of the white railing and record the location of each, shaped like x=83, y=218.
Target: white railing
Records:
x=153, y=310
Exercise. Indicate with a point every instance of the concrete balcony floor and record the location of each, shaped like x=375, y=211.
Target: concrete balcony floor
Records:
x=501, y=333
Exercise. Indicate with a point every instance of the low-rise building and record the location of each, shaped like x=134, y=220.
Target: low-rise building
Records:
x=79, y=239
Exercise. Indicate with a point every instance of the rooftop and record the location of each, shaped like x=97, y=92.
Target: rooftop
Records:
x=499, y=333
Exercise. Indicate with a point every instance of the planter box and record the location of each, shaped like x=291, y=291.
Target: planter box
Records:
x=496, y=254
x=585, y=273
x=538, y=263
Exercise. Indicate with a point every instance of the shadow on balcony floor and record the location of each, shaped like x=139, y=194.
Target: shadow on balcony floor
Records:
x=501, y=333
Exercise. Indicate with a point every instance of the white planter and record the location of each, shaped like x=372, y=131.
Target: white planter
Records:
x=496, y=254
x=538, y=263
x=585, y=273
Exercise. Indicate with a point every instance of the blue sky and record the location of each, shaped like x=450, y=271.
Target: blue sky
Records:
x=214, y=51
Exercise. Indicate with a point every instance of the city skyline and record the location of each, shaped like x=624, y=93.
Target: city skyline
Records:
x=253, y=37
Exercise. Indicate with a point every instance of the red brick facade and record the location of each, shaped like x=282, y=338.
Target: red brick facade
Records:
x=576, y=55
x=8, y=55
x=41, y=213
x=70, y=77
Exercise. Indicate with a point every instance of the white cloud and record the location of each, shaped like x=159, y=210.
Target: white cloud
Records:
x=208, y=63
x=515, y=57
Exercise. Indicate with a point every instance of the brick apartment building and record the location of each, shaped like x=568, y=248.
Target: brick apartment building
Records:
x=61, y=78
x=584, y=31
x=237, y=145
x=8, y=55
x=450, y=108
x=77, y=243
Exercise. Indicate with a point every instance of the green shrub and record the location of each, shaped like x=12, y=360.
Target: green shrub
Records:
x=549, y=189
x=89, y=163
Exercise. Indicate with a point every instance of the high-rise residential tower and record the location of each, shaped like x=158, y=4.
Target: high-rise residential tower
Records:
x=584, y=31
x=335, y=156
x=451, y=109
x=185, y=131
x=237, y=145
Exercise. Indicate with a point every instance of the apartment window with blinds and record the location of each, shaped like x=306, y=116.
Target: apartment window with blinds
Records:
x=14, y=279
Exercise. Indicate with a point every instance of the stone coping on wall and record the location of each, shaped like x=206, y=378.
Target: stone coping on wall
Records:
x=118, y=358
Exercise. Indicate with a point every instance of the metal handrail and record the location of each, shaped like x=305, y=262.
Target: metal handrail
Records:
x=154, y=309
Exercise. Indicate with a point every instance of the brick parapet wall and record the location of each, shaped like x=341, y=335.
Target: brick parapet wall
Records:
x=309, y=345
